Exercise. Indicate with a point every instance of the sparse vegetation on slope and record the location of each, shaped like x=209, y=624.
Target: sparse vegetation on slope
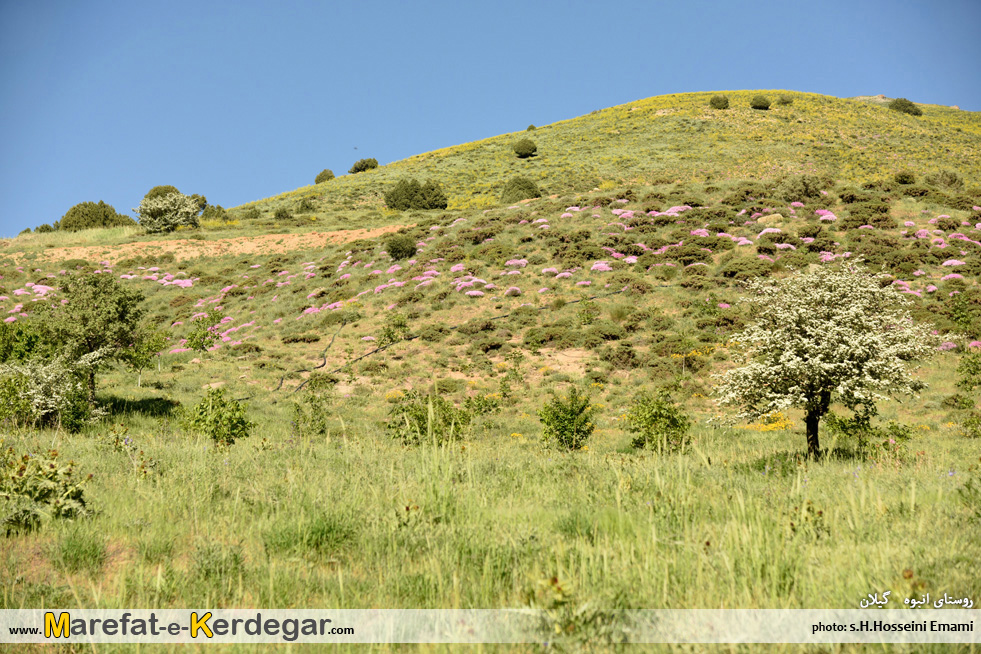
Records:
x=399, y=385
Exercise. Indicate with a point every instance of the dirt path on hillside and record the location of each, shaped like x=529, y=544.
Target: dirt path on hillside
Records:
x=184, y=249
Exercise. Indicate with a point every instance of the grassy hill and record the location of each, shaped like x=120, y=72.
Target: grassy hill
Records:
x=678, y=138
x=624, y=278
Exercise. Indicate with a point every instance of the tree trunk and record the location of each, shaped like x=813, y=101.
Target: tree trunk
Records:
x=92, y=386
x=811, y=421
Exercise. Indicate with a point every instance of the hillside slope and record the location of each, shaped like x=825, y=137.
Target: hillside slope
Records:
x=679, y=138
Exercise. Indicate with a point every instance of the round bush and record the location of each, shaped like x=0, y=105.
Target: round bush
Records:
x=89, y=215
x=362, y=165
x=531, y=128
x=905, y=106
x=785, y=100
x=44, y=229
x=165, y=213
x=409, y=194
x=400, y=246
x=905, y=177
x=325, y=175
x=760, y=102
x=520, y=188
x=719, y=102
x=525, y=148
x=160, y=191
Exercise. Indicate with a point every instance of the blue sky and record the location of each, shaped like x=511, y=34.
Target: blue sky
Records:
x=243, y=100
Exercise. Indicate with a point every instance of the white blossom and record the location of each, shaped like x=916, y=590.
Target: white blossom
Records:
x=823, y=336
x=167, y=213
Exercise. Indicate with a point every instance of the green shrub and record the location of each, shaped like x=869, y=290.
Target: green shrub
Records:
x=658, y=423
x=567, y=422
x=89, y=215
x=799, y=188
x=785, y=101
x=160, y=191
x=531, y=128
x=220, y=418
x=760, y=102
x=946, y=179
x=971, y=427
x=905, y=106
x=252, y=213
x=214, y=213
x=24, y=339
x=905, y=177
x=362, y=165
x=324, y=175
x=400, y=246
x=525, y=148
x=873, y=213
x=743, y=269
x=915, y=191
x=311, y=413
x=35, y=487
x=417, y=418
x=283, y=214
x=519, y=188
x=719, y=102
x=409, y=194
x=871, y=442
x=969, y=370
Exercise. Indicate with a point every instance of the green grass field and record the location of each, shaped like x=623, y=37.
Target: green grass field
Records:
x=505, y=305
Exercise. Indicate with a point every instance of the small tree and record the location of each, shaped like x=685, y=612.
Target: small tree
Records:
x=145, y=349
x=824, y=336
x=100, y=315
x=325, y=175
x=905, y=106
x=658, y=423
x=362, y=165
x=567, y=422
x=165, y=213
x=221, y=418
x=89, y=215
x=525, y=148
x=760, y=102
x=719, y=102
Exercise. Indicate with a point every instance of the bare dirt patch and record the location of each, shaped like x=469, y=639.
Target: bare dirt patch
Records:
x=184, y=249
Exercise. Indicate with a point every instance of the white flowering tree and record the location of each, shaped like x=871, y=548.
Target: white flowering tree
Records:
x=165, y=213
x=832, y=335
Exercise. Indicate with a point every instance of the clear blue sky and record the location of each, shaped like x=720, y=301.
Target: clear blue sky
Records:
x=243, y=100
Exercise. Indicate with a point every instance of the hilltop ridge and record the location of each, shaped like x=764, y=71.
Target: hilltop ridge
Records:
x=678, y=138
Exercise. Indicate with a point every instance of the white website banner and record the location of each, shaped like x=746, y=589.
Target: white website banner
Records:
x=488, y=626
